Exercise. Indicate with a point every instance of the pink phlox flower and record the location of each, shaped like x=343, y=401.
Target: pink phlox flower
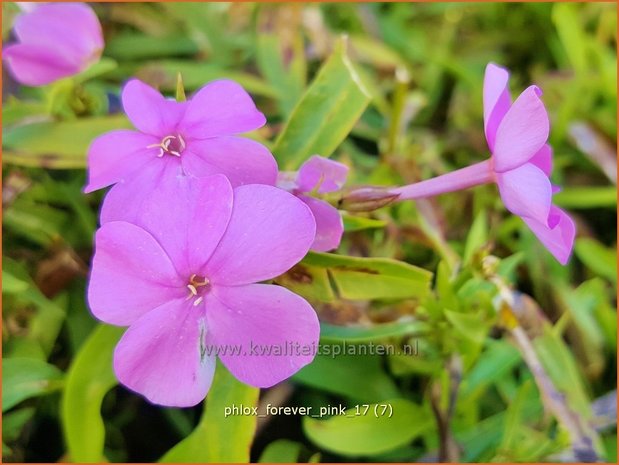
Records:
x=517, y=136
x=520, y=164
x=180, y=269
x=319, y=175
x=54, y=41
x=196, y=138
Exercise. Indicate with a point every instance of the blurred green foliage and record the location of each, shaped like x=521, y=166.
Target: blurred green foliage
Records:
x=398, y=100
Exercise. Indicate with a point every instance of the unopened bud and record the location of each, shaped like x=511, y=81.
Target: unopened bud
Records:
x=365, y=199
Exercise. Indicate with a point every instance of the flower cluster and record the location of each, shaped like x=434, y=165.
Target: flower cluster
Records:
x=191, y=226
x=198, y=216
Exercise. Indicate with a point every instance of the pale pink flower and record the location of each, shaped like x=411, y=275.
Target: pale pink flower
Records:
x=180, y=268
x=520, y=164
x=54, y=41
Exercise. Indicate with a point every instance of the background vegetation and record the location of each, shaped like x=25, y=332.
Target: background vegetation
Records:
x=469, y=392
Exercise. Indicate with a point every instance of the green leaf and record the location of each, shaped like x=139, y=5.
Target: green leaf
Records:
x=469, y=325
x=366, y=435
x=281, y=451
x=89, y=378
x=587, y=197
x=345, y=374
x=363, y=334
x=359, y=223
x=12, y=284
x=359, y=278
x=601, y=260
x=567, y=21
x=14, y=110
x=326, y=113
x=311, y=282
x=561, y=366
x=45, y=324
x=56, y=144
x=132, y=46
x=217, y=438
x=478, y=236
x=23, y=378
x=13, y=422
x=180, y=88
x=494, y=363
x=286, y=74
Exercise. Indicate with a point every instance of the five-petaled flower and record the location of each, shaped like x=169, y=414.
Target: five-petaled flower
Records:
x=54, y=41
x=197, y=138
x=319, y=175
x=180, y=270
x=520, y=164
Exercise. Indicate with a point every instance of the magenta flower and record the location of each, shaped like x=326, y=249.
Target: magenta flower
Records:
x=195, y=138
x=520, y=164
x=180, y=270
x=55, y=41
x=319, y=175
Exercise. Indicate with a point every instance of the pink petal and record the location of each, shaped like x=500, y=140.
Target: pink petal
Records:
x=260, y=320
x=526, y=191
x=242, y=160
x=522, y=132
x=559, y=240
x=270, y=231
x=221, y=108
x=319, y=171
x=187, y=215
x=543, y=159
x=162, y=355
x=116, y=156
x=131, y=274
x=329, y=224
x=71, y=30
x=151, y=112
x=496, y=100
x=36, y=65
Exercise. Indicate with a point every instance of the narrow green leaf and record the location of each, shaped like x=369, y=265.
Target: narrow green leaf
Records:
x=326, y=113
x=359, y=223
x=377, y=332
x=369, y=434
x=561, y=366
x=587, y=197
x=217, y=438
x=180, y=88
x=56, y=144
x=134, y=46
x=286, y=74
x=567, y=21
x=469, y=325
x=599, y=259
x=23, y=378
x=13, y=423
x=12, y=284
x=359, y=278
x=89, y=378
x=311, y=282
x=477, y=237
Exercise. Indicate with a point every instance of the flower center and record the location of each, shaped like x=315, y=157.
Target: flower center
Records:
x=198, y=286
x=172, y=145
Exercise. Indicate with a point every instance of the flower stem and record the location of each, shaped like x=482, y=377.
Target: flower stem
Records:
x=474, y=175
